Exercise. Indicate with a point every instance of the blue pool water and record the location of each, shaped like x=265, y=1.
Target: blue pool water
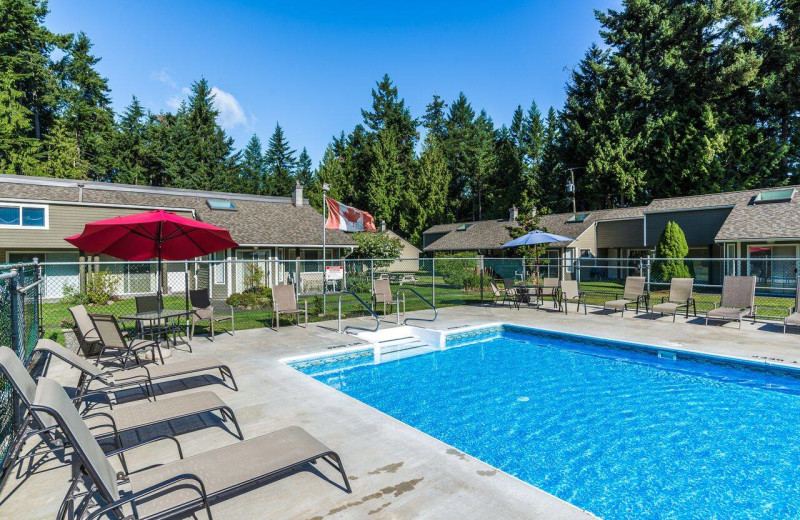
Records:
x=609, y=427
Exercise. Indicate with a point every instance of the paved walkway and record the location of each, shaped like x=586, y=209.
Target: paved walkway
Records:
x=396, y=471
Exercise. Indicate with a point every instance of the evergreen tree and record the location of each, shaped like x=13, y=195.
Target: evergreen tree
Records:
x=18, y=150
x=385, y=178
x=280, y=163
x=424, y=200
x=87, y=112
x=435, y=118
x=252, y=170
x=305, y=172
x=457, y=150
x=672, y=245
x=389, y=112
x=130, y=147
x=552, y=176
x=62, y=156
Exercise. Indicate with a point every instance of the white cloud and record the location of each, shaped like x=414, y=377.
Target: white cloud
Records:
x=174, y=103
x=231, y=113
x=768, y=21
x=165, y=78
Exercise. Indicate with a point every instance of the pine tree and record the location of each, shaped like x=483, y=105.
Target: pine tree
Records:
x=280, y=163
x=62, y=156
x=18, y=151
x=389, y=112
x=384, y=179
x=253, y=171
x=425, y=199
x=130, y=147
x=435, y=118
x=457, y=150
x=304, y=173
x=87, y=114
x=552, y=177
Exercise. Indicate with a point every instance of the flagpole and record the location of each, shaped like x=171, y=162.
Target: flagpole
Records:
x=325, y=188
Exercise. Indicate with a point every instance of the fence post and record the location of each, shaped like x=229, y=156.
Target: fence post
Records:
x=13, y=283
x=647, y=276
x=480, y=259
x=433, y=280
x=372, y=275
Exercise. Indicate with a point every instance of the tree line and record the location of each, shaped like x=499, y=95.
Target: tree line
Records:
x=683, y=97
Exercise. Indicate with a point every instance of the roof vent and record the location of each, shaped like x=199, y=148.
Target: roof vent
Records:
x=221, y=205
x=578, y=217
x=768, y=197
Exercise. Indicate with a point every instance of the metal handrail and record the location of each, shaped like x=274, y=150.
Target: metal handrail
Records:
x=31, y=286
x=363, y=304
x=429, y=304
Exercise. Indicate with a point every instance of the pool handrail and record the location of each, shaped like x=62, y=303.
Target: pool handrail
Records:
x=425, y=300
x=363, y=304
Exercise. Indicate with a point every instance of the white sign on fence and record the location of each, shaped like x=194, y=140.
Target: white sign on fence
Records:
x=334, y=272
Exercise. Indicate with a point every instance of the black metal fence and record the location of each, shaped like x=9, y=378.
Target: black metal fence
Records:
x=20, y=328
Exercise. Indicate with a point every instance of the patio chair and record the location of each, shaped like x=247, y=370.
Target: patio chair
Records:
x=113, y=421
x=382, y=294
x=737, y=301
x=570, y=292
x=550, y=289
x=680, y=297
x=165, y=326
x=88, y=339
x=113, y=341
x=498, y=294
x=793, y=318
x=284, y=301
x=632, y=294
x=180, y=487
x=204, y=311
x=121, y=379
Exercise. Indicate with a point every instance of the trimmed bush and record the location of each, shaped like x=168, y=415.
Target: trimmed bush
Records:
x=672, y=245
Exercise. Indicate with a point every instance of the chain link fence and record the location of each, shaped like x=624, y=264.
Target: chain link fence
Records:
x=20, y=328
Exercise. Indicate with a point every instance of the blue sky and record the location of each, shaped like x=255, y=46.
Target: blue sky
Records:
x=311, y=65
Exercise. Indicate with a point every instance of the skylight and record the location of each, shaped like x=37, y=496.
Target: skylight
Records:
x=463, y=227
x=578, y=217
x=784, y=195
x=222, y=205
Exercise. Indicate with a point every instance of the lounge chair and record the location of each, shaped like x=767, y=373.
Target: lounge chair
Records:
x=793, y=318
x=204, y=311
x=382, y=293
x=570, y=292
x=114, y=342
x=120, y=379
x=284, y=301
x=176, y=488
x=632, y=294
x=500, y=295
x=113, y=420
x=680, y=297
x=738, y=300
x=550, y=288
x=88, y=339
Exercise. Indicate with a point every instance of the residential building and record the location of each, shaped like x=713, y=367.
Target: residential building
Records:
x=36, y=214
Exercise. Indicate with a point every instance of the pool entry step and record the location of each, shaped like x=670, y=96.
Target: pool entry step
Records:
x=403, y=342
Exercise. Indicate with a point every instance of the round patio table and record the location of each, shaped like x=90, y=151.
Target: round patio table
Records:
x=158, y=325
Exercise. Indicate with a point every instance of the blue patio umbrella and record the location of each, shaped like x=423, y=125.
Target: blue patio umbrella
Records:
x=537, y=237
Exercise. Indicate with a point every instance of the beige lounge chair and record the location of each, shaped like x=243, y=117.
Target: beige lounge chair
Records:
x=204, y=311
x=284, y=301
x=116, y=420
x=120, y=379
x=88, y=339
x=500, y=295
x=382, y=293
x=632, y=294
x=738, y=300
x=114, y=342
x=570, y=292
x=174, y=488
x=680, y=297
x=793, y=318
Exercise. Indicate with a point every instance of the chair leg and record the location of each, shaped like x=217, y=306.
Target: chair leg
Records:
x=191, y=331
x=211, y=323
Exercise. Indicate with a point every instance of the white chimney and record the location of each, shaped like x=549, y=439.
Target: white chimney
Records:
x=297, y=195
x=533, y=212
x=513, y=213
x=383, y=226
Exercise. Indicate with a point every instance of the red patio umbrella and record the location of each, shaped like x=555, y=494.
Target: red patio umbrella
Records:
x=155, y=234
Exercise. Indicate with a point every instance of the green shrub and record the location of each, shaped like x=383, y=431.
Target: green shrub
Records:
x=73, y=296
x=463, y=273
x=100, y=288
x=672, y=246
x=251, y=300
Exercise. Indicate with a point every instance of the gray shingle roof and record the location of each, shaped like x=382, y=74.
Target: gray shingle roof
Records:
x=258, y=220
x=491, y=234
x=746, y=221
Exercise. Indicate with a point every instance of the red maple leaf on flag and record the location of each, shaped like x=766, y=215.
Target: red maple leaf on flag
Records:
x=352, y=215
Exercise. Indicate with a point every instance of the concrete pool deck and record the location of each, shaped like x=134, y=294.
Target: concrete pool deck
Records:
x=396, y=471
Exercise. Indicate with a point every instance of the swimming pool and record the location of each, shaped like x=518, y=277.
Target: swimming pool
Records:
x=624, y=431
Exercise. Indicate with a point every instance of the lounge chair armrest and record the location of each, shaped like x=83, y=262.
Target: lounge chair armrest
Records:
x=148, y=441
x=716, y=305
x=790, y=310
x=152, y=489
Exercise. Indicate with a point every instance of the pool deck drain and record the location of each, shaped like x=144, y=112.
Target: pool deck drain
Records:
x=396, y=471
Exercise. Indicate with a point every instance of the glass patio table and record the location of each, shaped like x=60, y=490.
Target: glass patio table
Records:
x=158, y=323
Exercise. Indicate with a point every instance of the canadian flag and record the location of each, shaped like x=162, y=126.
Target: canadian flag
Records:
x=346, y=218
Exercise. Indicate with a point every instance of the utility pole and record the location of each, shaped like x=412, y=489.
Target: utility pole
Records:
x=325, y=188
x=570, y=188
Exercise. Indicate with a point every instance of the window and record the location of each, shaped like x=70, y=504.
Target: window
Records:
x=218, y=267
x=221, y=205
x=578, y=217
x=784, y=195
x=463, y=227
x=23, y=216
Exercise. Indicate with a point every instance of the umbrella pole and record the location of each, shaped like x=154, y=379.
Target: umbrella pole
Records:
x=158, y=268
